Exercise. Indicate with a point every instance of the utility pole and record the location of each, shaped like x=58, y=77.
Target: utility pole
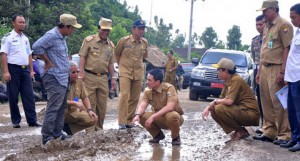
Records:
x=190, y=32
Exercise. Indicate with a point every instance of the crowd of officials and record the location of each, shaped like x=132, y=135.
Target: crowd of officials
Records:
x=275, y=51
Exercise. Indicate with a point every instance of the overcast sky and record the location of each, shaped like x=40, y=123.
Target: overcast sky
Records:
x=219, y=14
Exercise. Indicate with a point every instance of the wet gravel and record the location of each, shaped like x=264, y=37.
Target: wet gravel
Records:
x=200, y=141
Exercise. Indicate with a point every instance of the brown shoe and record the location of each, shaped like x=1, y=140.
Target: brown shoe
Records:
x=176, y=141
x=159, y=137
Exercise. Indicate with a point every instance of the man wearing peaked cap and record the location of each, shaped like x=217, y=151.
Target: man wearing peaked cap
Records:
x=96, y=61
x=54, y=51
x=277, y=36
x=237, y=106
x=130, y=52
x=68, y=19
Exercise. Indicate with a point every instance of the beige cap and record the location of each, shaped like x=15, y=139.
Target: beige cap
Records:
x=68, y=19
x=225, y=64
x=105, y=23
x=267, y=4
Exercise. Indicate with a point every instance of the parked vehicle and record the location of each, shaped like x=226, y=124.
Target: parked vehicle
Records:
x=187, y=67
x=204, y=80
x=76, y=58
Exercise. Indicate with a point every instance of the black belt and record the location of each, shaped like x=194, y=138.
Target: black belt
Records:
x=88, y=71
x=21, y=66
x=268, y=65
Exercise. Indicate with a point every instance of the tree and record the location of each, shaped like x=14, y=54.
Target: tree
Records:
x=161, y=36
x=209, y=38
x=178, y=42
x=220, y=45
x=234, y=38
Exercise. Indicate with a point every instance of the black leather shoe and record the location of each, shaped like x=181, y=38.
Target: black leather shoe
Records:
x=289, y=144
x=16, y=126
x=295, y=148
x=63, y=137
x=159, y=137
x=36, y=124
x=129, y=126
x=280, y=141
x=176, y=141
x=258, y=131
x=122, y=127
x=263, y=138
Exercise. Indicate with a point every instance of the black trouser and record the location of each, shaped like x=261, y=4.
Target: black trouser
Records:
x=21, y=83
x=256, y=87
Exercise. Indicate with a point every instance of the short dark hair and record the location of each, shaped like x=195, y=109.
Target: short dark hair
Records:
x=296, y=8
x=14, y=17
x=171, y=51
x=157, y=75
x=260, y=17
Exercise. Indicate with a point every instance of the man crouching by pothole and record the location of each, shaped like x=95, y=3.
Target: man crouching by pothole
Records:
x=166, y=111
x=237, y=106
x=78, y=116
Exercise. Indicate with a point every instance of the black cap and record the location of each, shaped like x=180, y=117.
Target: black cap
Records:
x=139, y=23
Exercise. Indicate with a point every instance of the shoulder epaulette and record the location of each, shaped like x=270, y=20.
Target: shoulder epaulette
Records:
x=89, y=38
x=254, y=37
x=7, y=34
x=126, y=37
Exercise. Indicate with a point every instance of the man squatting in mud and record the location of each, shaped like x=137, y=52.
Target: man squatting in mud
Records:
x=166, y=111
x=237, y=106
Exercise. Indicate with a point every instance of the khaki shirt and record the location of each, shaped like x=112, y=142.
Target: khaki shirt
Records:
x=77, y=90
x=282, y=34
x=255, y=48
x=131, y=53
x=171, y=63
x=239, y=91
x=98, y=54
x=160, y=97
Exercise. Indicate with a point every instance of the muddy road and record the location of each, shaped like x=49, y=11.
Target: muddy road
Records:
x=200, y=141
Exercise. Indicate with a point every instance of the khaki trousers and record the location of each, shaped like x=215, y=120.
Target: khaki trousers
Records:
x=97, y=89
x=232, y=118
x=78, y=120
x=130, y=91
x=171, y=78
x=172, y=121
x=275, y=117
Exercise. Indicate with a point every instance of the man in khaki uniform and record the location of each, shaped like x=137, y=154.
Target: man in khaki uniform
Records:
x=237, y=106
x=130, y=52
x=166, y=111
x=171, y=67
x=78, y=116
x=277, y=36
x=96, y=60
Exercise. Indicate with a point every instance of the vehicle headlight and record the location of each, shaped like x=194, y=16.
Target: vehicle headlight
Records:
x=198, y=73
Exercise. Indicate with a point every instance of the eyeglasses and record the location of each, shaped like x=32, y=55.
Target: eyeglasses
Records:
x=75, y=72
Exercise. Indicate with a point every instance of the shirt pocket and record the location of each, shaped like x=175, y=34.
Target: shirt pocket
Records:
x=15, y=46
x=296, y=48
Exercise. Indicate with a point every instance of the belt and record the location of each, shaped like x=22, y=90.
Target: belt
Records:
x=88, y=71
x=21, y=66
x=268, y=65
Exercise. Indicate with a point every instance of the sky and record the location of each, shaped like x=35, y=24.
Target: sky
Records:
x=219, y=14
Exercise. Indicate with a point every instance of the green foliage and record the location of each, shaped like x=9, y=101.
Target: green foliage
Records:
x=4, y=29
x=179, y=41
x=220, y=45
x=234, y=38
x=118, y=32
x=161, y=36
x=209, y=38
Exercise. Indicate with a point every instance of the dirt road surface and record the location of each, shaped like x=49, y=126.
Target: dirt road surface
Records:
x=200, y=141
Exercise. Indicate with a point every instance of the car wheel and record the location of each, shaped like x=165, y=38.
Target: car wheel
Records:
x=203, y=97
x=193, y=96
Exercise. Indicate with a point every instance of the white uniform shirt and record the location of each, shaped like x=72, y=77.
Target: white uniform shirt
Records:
x=17, y=48
x=292, y=69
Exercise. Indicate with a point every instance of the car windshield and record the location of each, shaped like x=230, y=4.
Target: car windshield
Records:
x=188, y=67
x=215, y=57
